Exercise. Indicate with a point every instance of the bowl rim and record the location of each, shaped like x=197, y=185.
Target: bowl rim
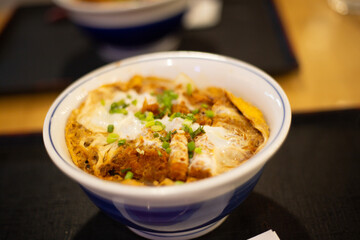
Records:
x=108, y=7
x=223, y=181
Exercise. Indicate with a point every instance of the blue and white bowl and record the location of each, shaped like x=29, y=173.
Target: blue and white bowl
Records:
x=129, y=23
x=182, y=211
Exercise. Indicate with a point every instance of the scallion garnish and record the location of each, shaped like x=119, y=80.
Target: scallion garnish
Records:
x=128, y=175
x=119, y=107
x=197, y=150
x=125, y=170
x=187, y=129
x=167, y=137
x=190, y=116
x=140, y=115
x=175, y=115
x=149, y=116
x=189, y=89
x=165, y=145
x=195, y=111
x=156, y=128
x=199, y=130
x=150, y=123
x=187, y=122
x=121, y=142
x=204, y=105
x=209, y=113
x=110, y=128
x=165, y=101
x=112, y=137
x=191, y=146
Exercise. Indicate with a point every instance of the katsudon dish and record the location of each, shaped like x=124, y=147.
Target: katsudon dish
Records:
x=154, y=132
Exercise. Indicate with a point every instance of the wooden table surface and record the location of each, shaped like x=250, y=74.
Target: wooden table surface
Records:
x=326, y=45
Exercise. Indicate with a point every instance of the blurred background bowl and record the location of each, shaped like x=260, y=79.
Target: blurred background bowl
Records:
x=133, y=26
x=188, y=210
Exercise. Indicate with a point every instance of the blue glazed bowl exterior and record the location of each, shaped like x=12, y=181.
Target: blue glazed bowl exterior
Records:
x=134, y=35
x=126, y=23
x=176, y=219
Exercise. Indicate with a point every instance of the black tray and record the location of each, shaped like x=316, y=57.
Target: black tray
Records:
x=37, y=54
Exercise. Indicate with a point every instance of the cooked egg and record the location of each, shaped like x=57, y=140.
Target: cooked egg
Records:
x=96, y=117
x=114, y=117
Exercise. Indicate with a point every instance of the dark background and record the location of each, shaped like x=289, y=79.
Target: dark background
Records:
x=309, y=189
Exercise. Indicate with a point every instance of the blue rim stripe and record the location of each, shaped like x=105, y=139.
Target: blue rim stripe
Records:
x=164, y=58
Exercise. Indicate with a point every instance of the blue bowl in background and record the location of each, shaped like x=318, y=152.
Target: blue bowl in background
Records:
x=128, y=24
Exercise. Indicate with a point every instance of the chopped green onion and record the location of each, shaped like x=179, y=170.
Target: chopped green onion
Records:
x=187, y=129
x=134, y=102
x=175, y=115
x=121, y=102
x=165, y=100
x=204, y=105
x=110, y=128
x=156, y=128
x=191, y=146
x=167, y=137
x=158, y=123
x=195, y=111
x=159, y=153
x=129, y=175
x=102, y=102
x=149, y=124
x=149, y=116
x=119, y=107
x=140, y=115
x=112, y=137
x=121, y=142
x=190, y=116
x=199, y=130
x=209, y=113
x=179, y=182
x=156, y=134
x=125, y=170
x=165, y=145
x=118, y=110
x=168, y=150
x=128, y=96
x=197, y=150
x=189, y=89
x=187, y=122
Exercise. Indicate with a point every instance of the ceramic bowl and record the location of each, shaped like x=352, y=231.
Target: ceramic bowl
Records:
x=126, y=23
x=182, y=211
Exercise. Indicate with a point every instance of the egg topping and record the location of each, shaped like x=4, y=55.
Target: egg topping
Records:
x=151, y=131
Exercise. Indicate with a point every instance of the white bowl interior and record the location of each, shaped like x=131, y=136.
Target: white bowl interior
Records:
x=240, y=78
